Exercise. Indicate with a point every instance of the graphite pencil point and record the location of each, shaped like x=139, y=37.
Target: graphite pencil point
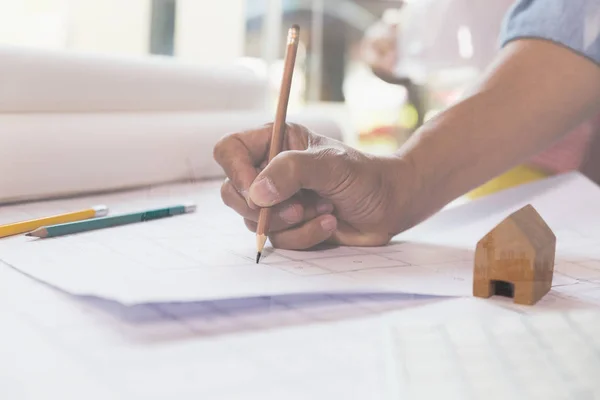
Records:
x=257, y=257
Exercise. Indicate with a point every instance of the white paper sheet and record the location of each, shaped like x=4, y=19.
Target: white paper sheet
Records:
x=568, y=203
x=544, y=356
x=206, y=255
x=210, y=255
x=41, y=81
x=263, y=348
x=64, y=154
x=80, y=352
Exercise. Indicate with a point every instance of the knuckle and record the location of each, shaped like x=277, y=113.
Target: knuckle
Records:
x=223, y=146
x=292, y=127
x=219, y=148
x=227, y=193
x=289, y=213
x=341, y=163
x=224, y=188
x=251, y=225
x=298, y=136
x=338, y=161
x=332, y=154
x=282, y=240
x=297, y=241
x=275, y=242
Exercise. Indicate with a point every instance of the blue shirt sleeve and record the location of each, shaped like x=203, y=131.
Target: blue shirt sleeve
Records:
x=574, y=24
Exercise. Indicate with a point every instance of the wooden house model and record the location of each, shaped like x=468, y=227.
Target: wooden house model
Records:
x=516, y=258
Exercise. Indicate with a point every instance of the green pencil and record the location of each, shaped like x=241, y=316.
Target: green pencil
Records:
x=110, y=221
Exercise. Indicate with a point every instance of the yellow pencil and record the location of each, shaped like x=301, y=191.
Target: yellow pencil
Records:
x=28, y=226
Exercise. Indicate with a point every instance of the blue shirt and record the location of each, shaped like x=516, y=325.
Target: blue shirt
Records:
x=574, y=24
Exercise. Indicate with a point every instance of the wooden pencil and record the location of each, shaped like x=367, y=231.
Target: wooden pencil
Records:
x=111, y=221
x=17, y=228
x=279, y=127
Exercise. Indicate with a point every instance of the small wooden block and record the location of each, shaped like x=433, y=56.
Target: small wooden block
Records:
x=516, y=258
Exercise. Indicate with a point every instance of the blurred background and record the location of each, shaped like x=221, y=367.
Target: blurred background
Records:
x=339, y=69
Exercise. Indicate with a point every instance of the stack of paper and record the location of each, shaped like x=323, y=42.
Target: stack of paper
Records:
x=63, y=114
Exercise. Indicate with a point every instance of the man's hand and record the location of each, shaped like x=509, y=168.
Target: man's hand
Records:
x=320, y=190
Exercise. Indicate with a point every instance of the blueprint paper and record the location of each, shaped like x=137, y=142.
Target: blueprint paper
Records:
x=495, y=356
x=210, y=254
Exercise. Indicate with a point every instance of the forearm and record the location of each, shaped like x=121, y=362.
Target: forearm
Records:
x=534, y=94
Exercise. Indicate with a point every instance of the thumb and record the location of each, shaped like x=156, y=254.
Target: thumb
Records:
x=291, y=171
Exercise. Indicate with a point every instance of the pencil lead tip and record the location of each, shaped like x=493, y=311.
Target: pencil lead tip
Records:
x=28, y=234
x=258, y=257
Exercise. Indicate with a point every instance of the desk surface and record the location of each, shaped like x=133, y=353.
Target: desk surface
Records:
x=72, y=349
x=57, y=346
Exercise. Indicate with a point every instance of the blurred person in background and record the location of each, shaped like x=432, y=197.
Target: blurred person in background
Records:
x=539, y=89
x=381, y=51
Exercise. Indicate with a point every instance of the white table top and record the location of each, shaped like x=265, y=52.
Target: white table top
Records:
x=57, y=346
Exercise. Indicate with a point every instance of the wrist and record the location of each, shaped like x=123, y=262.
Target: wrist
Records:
x=404, y=185
x=427, y=175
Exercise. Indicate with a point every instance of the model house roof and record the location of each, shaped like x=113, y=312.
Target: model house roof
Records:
x=530, y=224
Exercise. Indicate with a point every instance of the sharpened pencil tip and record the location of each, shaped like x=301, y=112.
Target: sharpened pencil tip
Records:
x=28, y=234
x=258, y=257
